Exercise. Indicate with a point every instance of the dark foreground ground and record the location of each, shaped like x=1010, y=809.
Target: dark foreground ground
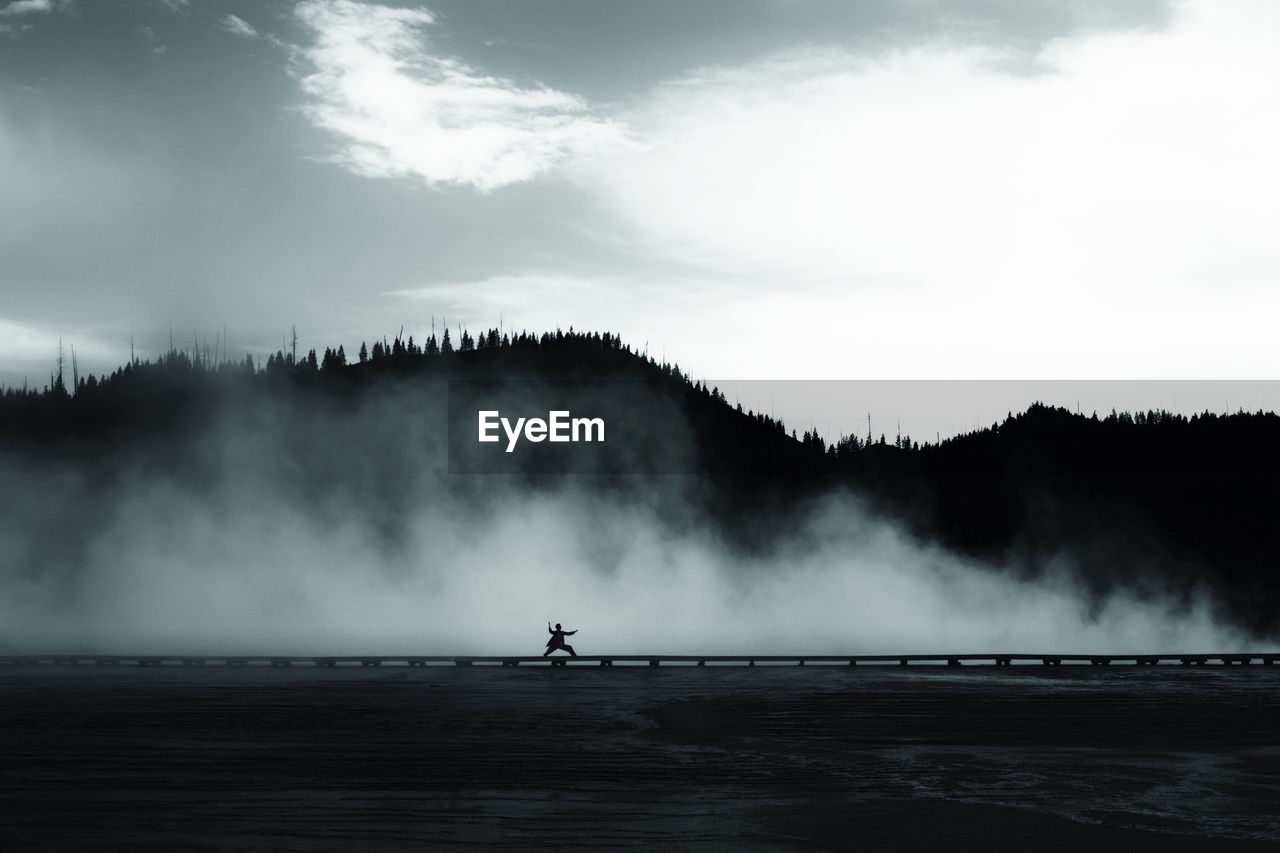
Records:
x=1167, y=759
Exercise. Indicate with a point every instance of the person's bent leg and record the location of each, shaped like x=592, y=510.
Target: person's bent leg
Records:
x=548, y=651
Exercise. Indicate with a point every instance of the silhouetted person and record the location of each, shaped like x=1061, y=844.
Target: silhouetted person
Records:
x=557, y=640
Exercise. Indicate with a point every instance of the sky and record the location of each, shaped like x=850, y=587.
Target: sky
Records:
x=756, y=189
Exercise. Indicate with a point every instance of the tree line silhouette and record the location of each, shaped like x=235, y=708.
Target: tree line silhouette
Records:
x=405, y=355
x=179, y=372
x=1152, y=499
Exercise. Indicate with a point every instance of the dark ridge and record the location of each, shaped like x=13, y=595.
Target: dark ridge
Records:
x=1151, y=502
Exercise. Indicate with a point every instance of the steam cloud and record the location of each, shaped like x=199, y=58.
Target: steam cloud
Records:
x=291, y=530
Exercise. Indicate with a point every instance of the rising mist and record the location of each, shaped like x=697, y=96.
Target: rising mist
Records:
x=273, y=522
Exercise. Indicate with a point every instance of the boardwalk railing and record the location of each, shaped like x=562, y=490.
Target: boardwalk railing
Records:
x=997, y=659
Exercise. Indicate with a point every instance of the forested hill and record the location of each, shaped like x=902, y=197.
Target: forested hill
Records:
x=178, y=394
x=147, y=394
x=1147, y=500
x=1150, y=500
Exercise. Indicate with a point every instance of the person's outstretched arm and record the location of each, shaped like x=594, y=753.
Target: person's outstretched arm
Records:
x=574, y=631
x=549, y=631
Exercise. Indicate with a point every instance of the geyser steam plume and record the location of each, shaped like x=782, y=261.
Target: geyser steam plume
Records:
x=279, y=525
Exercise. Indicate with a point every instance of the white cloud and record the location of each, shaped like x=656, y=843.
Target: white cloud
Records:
x=29, y=7
x=1131, y=159
x=26, y=7
x=931, y=212
x=238, y=26
x=400, y=110
x=938, y=211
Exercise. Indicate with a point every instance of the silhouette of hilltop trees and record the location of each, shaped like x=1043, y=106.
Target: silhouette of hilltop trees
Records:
x=1181, y=502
